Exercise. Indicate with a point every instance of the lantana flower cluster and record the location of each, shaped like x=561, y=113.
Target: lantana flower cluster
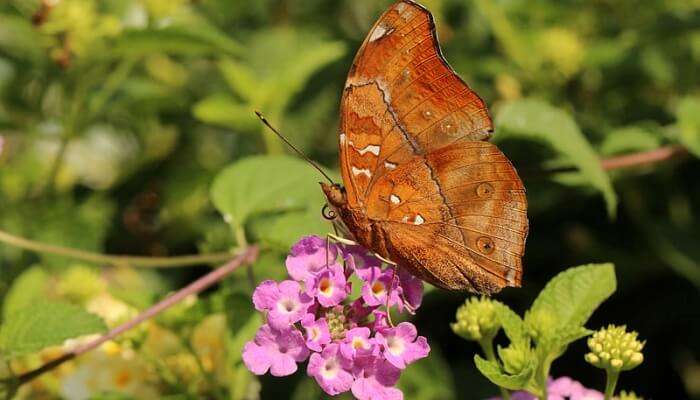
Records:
x=349, y=341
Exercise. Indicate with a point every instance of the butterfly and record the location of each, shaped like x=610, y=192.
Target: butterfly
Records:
x=423, y=187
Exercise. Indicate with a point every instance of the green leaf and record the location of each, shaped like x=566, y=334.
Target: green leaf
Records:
x=537, y=120
x=240, y=78
x=224, y=110
x=282, y=231
x=569, y=299
x=27, y=288
x=511, y=322
x=688, y=114
x=174, y=40
x=555, y=345
x=494, y=373
x=44, y=324
x=629, y=139
x=265, y=184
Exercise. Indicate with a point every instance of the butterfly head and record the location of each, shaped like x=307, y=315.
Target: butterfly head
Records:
x=335, y=193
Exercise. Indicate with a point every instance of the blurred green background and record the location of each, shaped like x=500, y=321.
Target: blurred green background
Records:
x=117, y=115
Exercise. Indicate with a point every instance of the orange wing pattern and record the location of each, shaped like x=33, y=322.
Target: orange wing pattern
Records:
x=402, y=98
x=450, y=206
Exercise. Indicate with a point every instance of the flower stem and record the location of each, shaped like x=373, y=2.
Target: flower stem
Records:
x=247, y=256
x=116, y=260
x=487, y=347
x=611, y=382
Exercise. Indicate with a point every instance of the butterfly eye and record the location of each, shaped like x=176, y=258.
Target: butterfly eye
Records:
x=485, y=245
x=484, y=190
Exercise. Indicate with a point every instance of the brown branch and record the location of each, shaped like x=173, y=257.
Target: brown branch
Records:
x=644, y=158
x=247, y=256
x=117, y=260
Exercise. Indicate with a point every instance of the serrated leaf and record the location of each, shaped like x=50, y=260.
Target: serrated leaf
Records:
x=555, y=345
x=494, y=373
x=44, y=324
x=535, y=119
x=569, y=299
x=688, y=114
x=265, y=184
x=27, y=288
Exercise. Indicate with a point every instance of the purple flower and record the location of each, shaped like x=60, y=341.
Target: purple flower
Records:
x=275, y=350
x=330, y=286
x=351, y=343
x=285, y=303
x=400, y=345
x=308, y=256
x=562, y=388
x=317, y=334
x=331, y=370
x=374, y=380
x=378, y=285
x=357, y=343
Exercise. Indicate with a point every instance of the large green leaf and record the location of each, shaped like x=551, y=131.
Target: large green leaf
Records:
x=492, y=371
x=535, y=119
x=569, y=299
x=44, y=324
x=265, y=184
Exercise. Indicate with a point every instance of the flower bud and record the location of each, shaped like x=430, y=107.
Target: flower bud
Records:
x=515, y=357
x=628, y=396
x=615, y=349
x=476, y=319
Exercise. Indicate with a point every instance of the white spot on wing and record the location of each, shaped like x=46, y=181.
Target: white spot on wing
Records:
x=400, y=7
x=510, y=276
x=389, y=165
x=418, y=220
x=371, y=148
x=361, y=171
x=379, y=32
x=395, y=199
x=342, y=138
x=405, y=218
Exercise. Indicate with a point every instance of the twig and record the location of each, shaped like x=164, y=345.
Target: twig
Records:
x=630, y=160
x=644, y=157
x=247, y=256
x=117, y=260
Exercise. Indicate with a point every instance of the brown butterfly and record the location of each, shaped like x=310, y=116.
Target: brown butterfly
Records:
x=423, y=187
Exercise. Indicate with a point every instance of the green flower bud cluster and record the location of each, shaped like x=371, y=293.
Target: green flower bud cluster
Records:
x=476, y=319
x=516, y=357
x=628, y=396
x=337, y=323
x=615, y=349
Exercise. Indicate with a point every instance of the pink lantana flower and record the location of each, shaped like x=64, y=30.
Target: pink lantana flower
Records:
x=352, y=344
x=378, y=285
x=278, y=351
x=330, y=286
x=357, y=343
x=331, y=370
x=317, y=334
x=308, y=256
x=562, y=388
x=400, y=345
x=285, y=303
x=374, y=380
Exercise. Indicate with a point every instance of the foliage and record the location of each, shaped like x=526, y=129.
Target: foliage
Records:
x=127, y=127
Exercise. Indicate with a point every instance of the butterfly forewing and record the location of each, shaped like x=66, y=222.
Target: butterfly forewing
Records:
x=451, y=207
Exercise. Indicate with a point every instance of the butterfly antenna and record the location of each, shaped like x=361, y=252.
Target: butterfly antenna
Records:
x=299, y=152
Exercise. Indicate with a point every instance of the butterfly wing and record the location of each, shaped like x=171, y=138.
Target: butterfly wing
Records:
x=456, y=218
x=401, y=98
x=451, y=206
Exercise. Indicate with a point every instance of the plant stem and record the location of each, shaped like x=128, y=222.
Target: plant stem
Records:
x=611, y=382
x=247, y=256
x=487, y=347
x=116, y=260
